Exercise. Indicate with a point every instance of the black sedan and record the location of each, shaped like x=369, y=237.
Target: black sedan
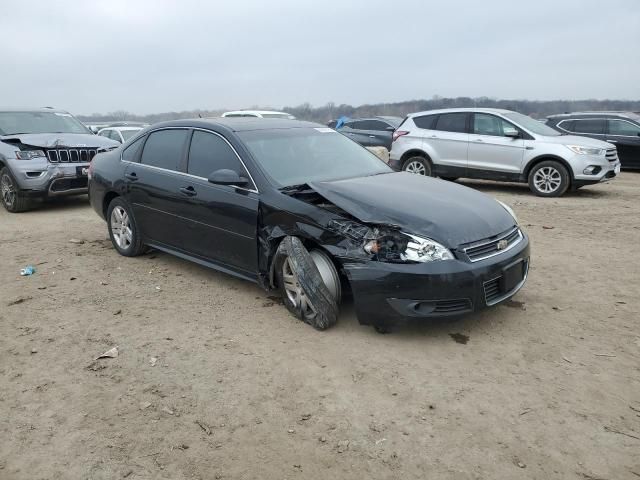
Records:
x=297, y=207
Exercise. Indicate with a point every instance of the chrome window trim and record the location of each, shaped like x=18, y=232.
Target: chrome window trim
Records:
x=185, y=174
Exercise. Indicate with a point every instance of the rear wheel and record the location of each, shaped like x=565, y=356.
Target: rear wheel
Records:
x=12, y=200
x=418, y=165
x=549, y=179
x=308, y=282
x=123, y=230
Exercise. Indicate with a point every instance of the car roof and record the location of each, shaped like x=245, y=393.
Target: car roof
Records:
x=630, y=115
x=260, y=112
x=460, y=110
x=240, y=124
x=31, y=110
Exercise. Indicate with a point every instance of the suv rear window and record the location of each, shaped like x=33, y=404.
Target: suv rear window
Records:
x=425, y=121
x=593, y=126
x=452, y=122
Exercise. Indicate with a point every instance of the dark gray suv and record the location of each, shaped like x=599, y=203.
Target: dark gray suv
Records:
x=43, y=153
x=620, y=128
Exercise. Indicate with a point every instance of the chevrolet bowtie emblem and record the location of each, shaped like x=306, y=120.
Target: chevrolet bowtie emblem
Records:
x=502, y=244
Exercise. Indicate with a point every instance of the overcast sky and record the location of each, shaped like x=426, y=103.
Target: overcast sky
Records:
x=149, y=56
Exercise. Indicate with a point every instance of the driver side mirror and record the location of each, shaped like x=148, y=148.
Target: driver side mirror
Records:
x=225, y=176
x=511, y=132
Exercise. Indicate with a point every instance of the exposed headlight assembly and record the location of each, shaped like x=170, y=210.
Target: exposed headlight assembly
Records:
x=404, y=247
x=585, y=150
x=508, y=209
x=28, y=154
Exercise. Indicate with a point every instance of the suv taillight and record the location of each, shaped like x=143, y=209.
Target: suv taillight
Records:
x=398, y=133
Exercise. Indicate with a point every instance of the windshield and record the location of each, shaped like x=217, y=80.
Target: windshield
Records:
x=301, y=155
x=127, y=134
x=532, y=125
x=12, y=123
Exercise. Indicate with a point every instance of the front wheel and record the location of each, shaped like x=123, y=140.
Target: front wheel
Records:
x=123, y=230
x=10, y=196
x=549, y=179
x=418, y=165
x=308, y=283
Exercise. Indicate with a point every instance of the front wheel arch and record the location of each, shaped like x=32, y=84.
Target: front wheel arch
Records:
x=535, y=161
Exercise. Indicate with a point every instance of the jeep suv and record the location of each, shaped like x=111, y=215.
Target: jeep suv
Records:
x=619, y=128
x=501, y=145
x=44, y=153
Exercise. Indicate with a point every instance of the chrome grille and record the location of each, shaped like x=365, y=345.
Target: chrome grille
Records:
x=488, y=248
x=612, y=154
x=71, y=155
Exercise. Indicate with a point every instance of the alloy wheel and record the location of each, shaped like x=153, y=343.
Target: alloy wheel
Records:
x=547, y=179
x=8, y=190
x=121, y=227
x=416, y=167
x=295, y=292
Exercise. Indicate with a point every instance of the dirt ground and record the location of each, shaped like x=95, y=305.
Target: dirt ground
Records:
x=547, y=386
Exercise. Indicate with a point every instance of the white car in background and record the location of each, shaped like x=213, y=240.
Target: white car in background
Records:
x=258, y=114
x=120, y=134
x=495, y=144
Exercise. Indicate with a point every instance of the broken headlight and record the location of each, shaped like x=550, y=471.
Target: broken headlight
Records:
x=28, y=154
x=404, y=247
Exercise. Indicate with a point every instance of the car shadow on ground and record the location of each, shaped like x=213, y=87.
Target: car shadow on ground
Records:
x=75, y=202
x=522, y=189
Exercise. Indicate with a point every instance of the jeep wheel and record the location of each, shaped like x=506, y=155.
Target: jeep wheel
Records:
x=309, y=283
x=418, y=165
x=549, y=179
x=12, y=200
x=123, y=230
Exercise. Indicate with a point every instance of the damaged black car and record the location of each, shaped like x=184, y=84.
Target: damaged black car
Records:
x=301, y=209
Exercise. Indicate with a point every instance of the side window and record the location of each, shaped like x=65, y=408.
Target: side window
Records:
x=209, y=152
x=485, y=124
x=164, y=148
x=425, y=122
x=357, y=125
x=131, y=152
x=567, y=125
x=114, y=135
x=452, y=122
x=623, y=128
x=104, y=133
x=592, y=126
x=374, y=125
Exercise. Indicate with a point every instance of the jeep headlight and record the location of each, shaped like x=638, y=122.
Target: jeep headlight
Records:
x=28, y=154
x=585, y=150
x=509, y=210
x=404, y=247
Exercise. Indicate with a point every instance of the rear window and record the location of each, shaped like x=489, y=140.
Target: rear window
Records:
x=452, y=122
x=590, y=126
x=425, y=121
x=164, y=149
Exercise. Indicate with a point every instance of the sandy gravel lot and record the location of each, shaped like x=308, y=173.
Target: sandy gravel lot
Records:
x=547, y=386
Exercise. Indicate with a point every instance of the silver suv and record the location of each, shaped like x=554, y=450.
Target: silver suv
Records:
x=44, y=153
x=501, y=145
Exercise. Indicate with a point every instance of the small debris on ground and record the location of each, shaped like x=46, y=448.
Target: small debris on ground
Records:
x=521, y=465
x=144, y=405
x=18, y=301
x=28, y=270
x=546, y=227
x=460, y=338
x=153, y=361
x=72, y=279
x=343, y=446
x=515, y=304
x=117, y=312
x=77, y=241
x=566, y=359
x=167, y=410
x=111, y=353
x=33, y=350
x=204, y=427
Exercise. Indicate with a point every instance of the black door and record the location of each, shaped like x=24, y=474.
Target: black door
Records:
x=153, y=187
x=220, y=221
x=626, y=137
x=369, y=133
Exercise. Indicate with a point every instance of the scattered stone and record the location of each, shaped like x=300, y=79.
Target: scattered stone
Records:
x=521, y=465
x=18, y=301
x=167, y=410
x=322, y=439
x=153, y=361
x=144, y=405
x=33, y=350
x=460, y=338
x=117, y=312
x=291, y=430
x=127, y=473
x=204, y=427
x=343, y=446
x=546, y=227
x=305, y=416
x=111, y=353
x=72, y=279
x=76, y=241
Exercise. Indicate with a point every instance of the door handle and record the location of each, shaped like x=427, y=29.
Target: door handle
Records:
x=131, y=176
x=189, y=191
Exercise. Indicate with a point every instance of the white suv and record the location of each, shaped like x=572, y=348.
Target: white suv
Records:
x=502, y=145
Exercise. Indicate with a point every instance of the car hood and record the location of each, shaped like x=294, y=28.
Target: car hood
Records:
x=444, y=211
x=55, y=140
x=580, y=141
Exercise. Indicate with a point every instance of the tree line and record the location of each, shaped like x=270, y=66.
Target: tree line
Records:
x=330, y=111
